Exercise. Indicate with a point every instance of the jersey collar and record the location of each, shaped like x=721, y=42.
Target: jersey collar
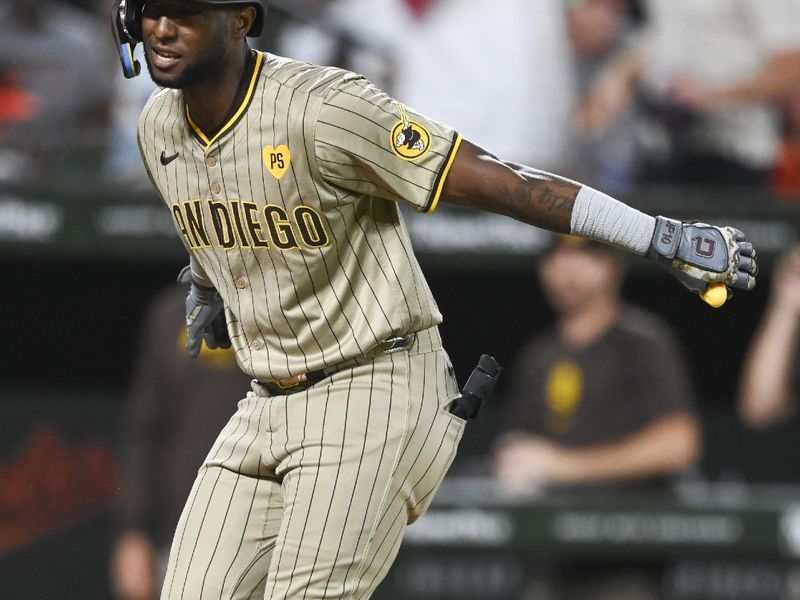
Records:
x=207, y=141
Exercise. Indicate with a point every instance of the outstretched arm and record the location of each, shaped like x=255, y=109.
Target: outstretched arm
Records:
x=696, y=254
x=480, y=180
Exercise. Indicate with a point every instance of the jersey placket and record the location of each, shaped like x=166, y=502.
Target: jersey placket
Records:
x=236, y=257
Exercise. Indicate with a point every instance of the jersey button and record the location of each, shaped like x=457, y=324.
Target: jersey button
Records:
x=211, y=161
x=216, y=188
x=241, y=283
x=256, y=345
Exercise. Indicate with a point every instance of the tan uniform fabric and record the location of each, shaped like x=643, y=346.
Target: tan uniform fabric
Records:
x=290, y=210
x=291, y=213
x=308, y=495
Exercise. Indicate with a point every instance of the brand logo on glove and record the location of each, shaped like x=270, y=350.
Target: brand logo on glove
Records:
x=704, y=246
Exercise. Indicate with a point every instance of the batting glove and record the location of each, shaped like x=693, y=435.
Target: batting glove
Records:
x=205, y=316
x=697, y=254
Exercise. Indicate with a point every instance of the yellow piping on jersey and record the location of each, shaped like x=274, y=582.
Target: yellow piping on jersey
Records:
x=445, y=173
x=245, y=103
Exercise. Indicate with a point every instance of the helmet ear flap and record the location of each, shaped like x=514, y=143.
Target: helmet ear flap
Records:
x=133, y=18
x=126, y=25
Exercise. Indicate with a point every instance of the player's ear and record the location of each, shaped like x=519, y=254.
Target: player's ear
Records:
x=243, y=19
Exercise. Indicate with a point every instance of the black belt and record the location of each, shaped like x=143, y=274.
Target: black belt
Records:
x=298, y=383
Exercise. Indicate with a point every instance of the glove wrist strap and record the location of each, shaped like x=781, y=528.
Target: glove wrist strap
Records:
x=666, y=237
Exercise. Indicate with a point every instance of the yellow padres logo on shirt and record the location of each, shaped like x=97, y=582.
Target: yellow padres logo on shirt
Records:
x=410, y=140
x=563, y=395
x=564, y=388
x=277, y=160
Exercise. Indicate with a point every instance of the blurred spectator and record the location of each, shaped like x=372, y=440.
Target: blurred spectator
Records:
x=786, y=177
x=54, y=83
x=597, y=30
x=596, y=26
x=504, y=76
x=605, y=397
x=313, y=34
x=708, y=75
x=768, y=390
x=178, y=407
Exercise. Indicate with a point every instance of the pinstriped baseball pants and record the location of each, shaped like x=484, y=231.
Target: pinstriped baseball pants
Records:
x=306, y=496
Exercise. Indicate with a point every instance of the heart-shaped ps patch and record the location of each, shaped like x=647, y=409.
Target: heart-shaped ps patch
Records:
x=277, y=160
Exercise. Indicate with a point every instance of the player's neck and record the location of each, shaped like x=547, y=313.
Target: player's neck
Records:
x=585, y=326
x=211, y=104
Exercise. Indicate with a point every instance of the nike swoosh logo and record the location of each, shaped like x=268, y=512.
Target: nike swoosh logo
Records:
x=165, y=160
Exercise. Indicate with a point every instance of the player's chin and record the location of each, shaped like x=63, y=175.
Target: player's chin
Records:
x=166, y=80
x=169, y=77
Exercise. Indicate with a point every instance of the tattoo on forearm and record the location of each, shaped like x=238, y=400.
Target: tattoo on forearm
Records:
x=552, y=200
x=523, y=193
x=545, y=204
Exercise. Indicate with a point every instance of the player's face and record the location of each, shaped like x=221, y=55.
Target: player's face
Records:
x=185, y=43
x=573, y=278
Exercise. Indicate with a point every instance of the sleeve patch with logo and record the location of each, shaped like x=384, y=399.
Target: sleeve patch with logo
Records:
x=410, y=140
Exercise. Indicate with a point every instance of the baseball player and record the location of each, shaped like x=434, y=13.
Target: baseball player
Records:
x=284, y=180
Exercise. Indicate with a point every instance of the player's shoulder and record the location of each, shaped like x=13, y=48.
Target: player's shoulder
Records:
x=161, y=100
x=308, y=78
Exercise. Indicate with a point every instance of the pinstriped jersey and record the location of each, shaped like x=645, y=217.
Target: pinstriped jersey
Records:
x=291, y=211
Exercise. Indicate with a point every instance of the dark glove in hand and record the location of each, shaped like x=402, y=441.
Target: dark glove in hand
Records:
x=205, y=317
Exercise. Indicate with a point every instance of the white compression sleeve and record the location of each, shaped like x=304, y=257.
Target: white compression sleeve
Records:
x=601, y=218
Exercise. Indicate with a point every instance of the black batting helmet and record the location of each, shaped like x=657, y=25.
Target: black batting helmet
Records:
x=126, y=25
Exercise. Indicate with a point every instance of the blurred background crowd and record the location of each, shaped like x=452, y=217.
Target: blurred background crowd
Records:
x=654, y=438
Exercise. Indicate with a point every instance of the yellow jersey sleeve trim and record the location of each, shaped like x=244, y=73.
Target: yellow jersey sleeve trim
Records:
x=445, y=172
x=235, y=118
